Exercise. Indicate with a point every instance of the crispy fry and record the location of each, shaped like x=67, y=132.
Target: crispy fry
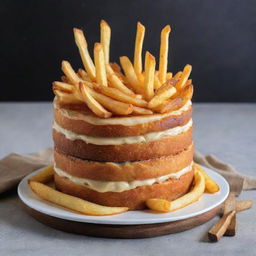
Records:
x=210, y=185
x=66, y=98
x=150, y=64
x=101, y=76
x=168, y=76
x=115, y=67
x=84, y=53
x=184, y=77
x=92, y=103
x=188, y=82
x=162, y=205
x=44, y=175
x=131, y=75
x=64, y=87
x=112, y=105
x=142, y=111
x=105, y=34
x=73, y=203
x=120, y=96
x=157, y=83
x=163, y=58
x=170, y=105
x=137, y=62
x=186, y=93
x=69, y=72
x=83, y=75
x=177, y=75
x=162, y=94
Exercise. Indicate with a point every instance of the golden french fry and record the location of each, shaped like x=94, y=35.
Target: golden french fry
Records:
x=120, y=96
x=168, y=76
x=184, y=77
x=162, y=94
x=69, y=72
x=44, y=175
x=177, y=75
x=101, y=76
x=112, y=105
x=150, y=64
x=92, y=103
x=137, y=62
x=84, y=53
x=162, y=205
x=65, y=87
x=73, y=203
x=163, y=58
x=141, y=111
x=66, y=98
x=115, y=67
x=210, y=185
x=131, y=75
x=186, y=93
x=117, y=71
x=188, y=82
x=65, y=79
x=157, y=83
x=170, y=105
x=105, y=34
x=83, y=75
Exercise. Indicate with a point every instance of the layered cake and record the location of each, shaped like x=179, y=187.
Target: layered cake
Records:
x=119, y=147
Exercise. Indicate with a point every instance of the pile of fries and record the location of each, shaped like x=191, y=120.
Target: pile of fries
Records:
x=202, y=183
x=108, y=89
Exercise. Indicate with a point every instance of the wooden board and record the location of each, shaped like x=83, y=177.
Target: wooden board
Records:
x=122, y=231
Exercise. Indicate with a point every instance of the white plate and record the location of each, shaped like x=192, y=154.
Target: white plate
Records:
x=206, y=203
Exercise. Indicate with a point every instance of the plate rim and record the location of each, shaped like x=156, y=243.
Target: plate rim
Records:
x=100, y=219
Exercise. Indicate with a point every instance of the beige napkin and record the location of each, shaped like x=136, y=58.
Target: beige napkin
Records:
x=14, y=167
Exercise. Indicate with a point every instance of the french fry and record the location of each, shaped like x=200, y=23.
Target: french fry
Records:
x=69, y=72
x=112, y=105
x=186, y=93
x=141, y=111
x=84, y=53
x=101, y=76
x=131, y=75
x=163, y=58
x=64, y=79
x=162, y=94
x=210, y=185
x=44, y=175
x=184, y=77
x=177, y=75
x=188, y=82
x=170, y=105
x=162, y=205
x=115, y=67
x=83, y=75
x=117, y=71
x=66, y=98
x=157, y=83
x=73, y=203
x=150, y=64
x=92, y=103
x=68, y=88
x=137, y=62
x=168, y=76
x=120, y=96
x=105, y=34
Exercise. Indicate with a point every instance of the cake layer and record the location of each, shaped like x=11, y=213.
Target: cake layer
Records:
x=80, y=121
x=125, y=152
x=134, y=198
x=127, y=171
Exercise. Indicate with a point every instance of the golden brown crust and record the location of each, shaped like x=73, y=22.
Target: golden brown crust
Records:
x=139, y=170
x=134, y=198
x=122, y=153
x=82, y=127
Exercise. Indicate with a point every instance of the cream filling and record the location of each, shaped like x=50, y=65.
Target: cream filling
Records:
x=124, y=140
x=119, y=186
x=126, y=121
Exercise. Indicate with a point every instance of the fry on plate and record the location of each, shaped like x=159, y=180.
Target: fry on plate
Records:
x=84, y=53
x=196, y=192
x=210, y=185
x=44, y=175
x=73, y=203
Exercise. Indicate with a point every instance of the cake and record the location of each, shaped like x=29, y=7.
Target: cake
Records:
x=123, y=156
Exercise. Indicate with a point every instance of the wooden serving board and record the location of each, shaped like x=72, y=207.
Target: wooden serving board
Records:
x=122, y=231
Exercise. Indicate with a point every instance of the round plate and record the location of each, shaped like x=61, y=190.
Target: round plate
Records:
x=205, y=204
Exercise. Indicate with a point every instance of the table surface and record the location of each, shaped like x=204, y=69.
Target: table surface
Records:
x=226, y=130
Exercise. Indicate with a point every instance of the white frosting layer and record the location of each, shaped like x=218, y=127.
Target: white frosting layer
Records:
x=119, y=186
x=123, y=140
x=126, y=121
